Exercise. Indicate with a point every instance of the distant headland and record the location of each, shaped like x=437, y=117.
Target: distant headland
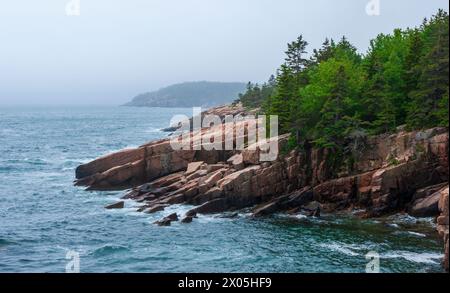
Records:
x=190, y=94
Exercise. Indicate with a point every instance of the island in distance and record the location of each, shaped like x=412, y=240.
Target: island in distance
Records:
x=204, y=94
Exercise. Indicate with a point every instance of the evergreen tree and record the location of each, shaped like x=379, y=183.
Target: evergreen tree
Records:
x=295, y=55
x=428, y=106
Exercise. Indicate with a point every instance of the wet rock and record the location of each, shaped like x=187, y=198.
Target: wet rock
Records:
x=312, y=209
x=163, y=222
x=187, y=219
x=141, y=209
x=266, y=209
x=229, y=215
x=154, y=209
x=442, y=223
x=117, y=205
x=211, y=207
x=172, y=217
x=191, y=213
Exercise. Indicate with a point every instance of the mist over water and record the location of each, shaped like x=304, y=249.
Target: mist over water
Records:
x=43, y=215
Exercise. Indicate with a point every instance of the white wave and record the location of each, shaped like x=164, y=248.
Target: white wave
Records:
x=153, y=130
x=340, y=247
x=417, y=234
x=424, y=257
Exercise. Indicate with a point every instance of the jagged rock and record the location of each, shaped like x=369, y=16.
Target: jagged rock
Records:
x=390, y=173
x=427, y=191
x=191, y=213
x=175, y=199
x=187, y=219
x=313, y=209
x=142, y=208
x=210, y=181
x=117, y=205
x=214, y=167
x=172, y=217
x=197, y=174
x=266, y=209
x=163, y=222
x=236, y=162
x=154, y=209
x=229, y=215
x=442, y=223
x=250, y=155
x=426, y=207
x=193, y=167
x=211, y=207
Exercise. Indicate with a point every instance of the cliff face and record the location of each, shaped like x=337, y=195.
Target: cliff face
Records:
x=407, y=171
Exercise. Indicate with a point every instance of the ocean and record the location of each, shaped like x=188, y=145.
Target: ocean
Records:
x=44, y=219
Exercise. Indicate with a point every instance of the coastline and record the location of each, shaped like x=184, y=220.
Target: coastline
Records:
x=402, y=172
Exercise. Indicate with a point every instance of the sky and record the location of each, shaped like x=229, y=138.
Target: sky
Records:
x=108, y=51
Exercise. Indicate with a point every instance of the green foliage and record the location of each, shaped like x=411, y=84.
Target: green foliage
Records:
x=255, y=94
x=337, y=93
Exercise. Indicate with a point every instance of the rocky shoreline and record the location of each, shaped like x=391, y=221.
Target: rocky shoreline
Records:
x=402, y=172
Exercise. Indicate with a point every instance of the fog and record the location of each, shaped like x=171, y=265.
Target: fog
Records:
x=115, y=49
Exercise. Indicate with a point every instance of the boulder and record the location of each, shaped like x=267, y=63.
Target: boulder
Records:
x=187, y=219
x=196, y=174
x=266, y=209
x=193, y=167
x=426, y=207
x=154, y=209
x=117, y=205
x=163, y=222
x=214, y=167
x=236, y=162
x=172, y=217
x=210, y=207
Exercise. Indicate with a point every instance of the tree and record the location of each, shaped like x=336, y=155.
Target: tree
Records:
x=430, y=100
x=295, y=55
x=282, y=97
x=324, y=53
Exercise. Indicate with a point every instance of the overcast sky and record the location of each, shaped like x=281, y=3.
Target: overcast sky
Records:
x=116, y=49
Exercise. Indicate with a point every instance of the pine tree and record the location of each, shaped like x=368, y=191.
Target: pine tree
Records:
x=332, y=126
x=428, y=101
x=295, y=55
x=324, y=53
x=281, y=100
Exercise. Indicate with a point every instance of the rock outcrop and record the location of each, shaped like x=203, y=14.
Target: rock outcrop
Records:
x=442, y=222
x=406, y=171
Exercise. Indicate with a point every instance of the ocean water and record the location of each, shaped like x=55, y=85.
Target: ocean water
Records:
x=43, y=217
